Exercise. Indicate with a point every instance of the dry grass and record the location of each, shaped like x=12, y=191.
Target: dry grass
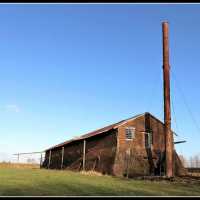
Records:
x=19, y=165
x=92, y=173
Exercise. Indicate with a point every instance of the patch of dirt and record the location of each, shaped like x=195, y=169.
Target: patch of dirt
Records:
x=188, y=179
x=191, y=179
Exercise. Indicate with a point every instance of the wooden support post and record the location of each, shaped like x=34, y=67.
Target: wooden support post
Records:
x=41, y=161
x=84, y=146
x=63, y=150
x=128, y=154
x=49, y=159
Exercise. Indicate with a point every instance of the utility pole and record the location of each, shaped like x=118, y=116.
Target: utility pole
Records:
x=167, y=110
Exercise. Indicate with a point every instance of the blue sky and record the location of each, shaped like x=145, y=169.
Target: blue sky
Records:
x=67, y=69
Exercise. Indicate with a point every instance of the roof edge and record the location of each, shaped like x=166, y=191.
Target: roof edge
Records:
x=82, y=136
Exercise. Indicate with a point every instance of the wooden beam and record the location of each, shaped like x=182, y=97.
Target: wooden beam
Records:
x=84, y=146
x=178, y=142
x=63, y=150
x=28, y=153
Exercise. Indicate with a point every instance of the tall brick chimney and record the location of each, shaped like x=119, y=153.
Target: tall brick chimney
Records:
x=167, y=110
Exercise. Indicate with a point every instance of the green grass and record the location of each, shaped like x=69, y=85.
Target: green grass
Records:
x=41, y=182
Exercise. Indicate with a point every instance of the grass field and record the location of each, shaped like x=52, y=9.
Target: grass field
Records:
x=40, y=182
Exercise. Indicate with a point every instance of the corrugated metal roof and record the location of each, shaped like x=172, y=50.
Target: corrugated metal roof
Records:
x=96, y=132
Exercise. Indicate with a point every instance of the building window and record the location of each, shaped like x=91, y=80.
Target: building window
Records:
x=148, y=140
x=130, y=133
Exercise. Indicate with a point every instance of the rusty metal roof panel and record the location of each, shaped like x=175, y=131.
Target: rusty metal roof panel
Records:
x=96, y=132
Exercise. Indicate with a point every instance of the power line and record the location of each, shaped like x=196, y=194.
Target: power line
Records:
x=175, y=117
x=175, y=121
x=186, y=104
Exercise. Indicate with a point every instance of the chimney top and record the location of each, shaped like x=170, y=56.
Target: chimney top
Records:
x=165, y=22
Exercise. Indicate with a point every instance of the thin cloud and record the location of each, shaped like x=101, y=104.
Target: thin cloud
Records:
x=12, y=108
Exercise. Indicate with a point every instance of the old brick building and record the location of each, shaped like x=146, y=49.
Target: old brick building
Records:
x=133, y=147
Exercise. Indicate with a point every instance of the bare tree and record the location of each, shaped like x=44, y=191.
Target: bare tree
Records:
x=194, y=161
x=31, y=161
x=197, y=161
x=191, y=162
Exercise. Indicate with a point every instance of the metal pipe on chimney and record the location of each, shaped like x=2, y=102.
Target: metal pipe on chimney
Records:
x=167, y=109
